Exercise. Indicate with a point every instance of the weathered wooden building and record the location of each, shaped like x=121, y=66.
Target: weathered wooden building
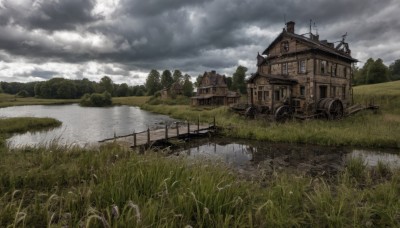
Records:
x=302, y=72
x=213, y=90
x=175, y=89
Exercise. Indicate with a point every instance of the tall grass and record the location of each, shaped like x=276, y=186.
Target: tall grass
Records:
x=114, y=187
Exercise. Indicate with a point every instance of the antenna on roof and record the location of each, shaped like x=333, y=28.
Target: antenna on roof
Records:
x=310, y=27
x=315, y=28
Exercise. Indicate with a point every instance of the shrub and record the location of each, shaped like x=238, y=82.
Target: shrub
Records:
x=96, y=100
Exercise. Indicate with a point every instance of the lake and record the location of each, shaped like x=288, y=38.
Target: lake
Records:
x=83, y=125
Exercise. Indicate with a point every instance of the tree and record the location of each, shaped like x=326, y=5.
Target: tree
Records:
x=198, y=81
x=187, y=86
x=166, y=79
x=122, y=90
x=177, y=76
x=106, y=84
x=66, y=90
x=394, y=69
x=238, y=82
x=377, y=73
x=229, y=82
x=153, y=83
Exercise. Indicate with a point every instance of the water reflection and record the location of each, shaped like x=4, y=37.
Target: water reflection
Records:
x=309, y=159
x=82, y=125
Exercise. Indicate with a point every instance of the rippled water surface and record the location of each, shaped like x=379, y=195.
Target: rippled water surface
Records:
x=83, y=125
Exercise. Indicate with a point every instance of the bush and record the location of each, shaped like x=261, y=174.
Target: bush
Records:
x=96, y=100
x=23, y=93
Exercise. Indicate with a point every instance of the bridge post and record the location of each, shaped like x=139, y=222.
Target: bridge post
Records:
x=166, y=132
x=188, y=127
x=148, y=136
x=134, y=138
x=198, y=125
x=177, y=129
x=214, y=122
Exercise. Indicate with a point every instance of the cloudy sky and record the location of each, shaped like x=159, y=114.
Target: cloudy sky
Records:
x=124, y=39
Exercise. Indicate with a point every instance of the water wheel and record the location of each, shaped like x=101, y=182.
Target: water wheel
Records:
x=283, y=113
x=251, y=112
x=335, y=109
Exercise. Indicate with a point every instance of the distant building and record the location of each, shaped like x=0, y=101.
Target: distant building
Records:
x=213, y=90
x=175, y=89
x=302, y=72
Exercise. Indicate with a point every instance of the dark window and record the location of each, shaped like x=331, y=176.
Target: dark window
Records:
x=344, y=92
x=345, y=72
x=302, y=90
x=322, y=92
x=284, y=68
x=285, y=46
x=334, y=66
x=323, y=67
x=333, y=91
x=302, y=66
x=277, y=95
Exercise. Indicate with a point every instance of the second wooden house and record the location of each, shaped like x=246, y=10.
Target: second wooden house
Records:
x=213, y=90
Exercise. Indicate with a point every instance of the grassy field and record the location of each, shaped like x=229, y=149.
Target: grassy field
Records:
x=7, y=100
x=132, y=101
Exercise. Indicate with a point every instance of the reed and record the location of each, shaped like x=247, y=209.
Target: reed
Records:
x=113, y=187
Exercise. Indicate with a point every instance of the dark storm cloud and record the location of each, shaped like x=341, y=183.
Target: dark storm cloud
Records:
x=186, y=34
x=39, y=73
x=48, y=14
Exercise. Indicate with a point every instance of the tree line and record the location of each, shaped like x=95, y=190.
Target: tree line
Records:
x=61, y=88
x=375, y=71
x=156, y=82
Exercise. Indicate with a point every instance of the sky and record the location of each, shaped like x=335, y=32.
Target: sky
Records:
x=125, y=39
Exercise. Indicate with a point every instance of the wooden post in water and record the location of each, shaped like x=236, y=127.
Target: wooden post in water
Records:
x=188, y=127
x=198, y=125
x=148, y=136
x=134, y=138
x=214, y=122
x=166, y=132
x=177, y=129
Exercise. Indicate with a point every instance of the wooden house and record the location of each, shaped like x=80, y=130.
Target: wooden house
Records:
x=213, y=90
x=175, y=89
x=302, y=72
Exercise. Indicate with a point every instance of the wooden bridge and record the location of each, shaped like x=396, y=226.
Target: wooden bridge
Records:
x=178, y=130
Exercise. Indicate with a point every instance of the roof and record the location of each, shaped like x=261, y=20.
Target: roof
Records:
x=273, y=79
x=215, y=80
x=314, y=44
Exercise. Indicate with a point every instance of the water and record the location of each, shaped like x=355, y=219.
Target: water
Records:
x=83, y=125
x=310, y=159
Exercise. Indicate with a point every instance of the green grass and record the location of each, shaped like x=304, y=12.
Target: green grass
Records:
x=114, y=187
x=7, y=100
x=132, y=101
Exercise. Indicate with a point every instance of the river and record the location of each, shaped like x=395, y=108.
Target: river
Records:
x=83, y=125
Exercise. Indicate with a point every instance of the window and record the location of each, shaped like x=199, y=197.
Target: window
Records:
x=302, y=66
x=285, y=68
x=323, y=67
x=334, y=66
x=345, y=72
x=302, y=90
x=344, y=92
x=266, y=95
x=285, y=46
x=277, y=97
x=322, y=91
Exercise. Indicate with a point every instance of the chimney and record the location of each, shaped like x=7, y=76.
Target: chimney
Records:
x=290, y=27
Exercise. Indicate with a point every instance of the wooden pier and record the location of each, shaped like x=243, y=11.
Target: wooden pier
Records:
x=178, y=130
